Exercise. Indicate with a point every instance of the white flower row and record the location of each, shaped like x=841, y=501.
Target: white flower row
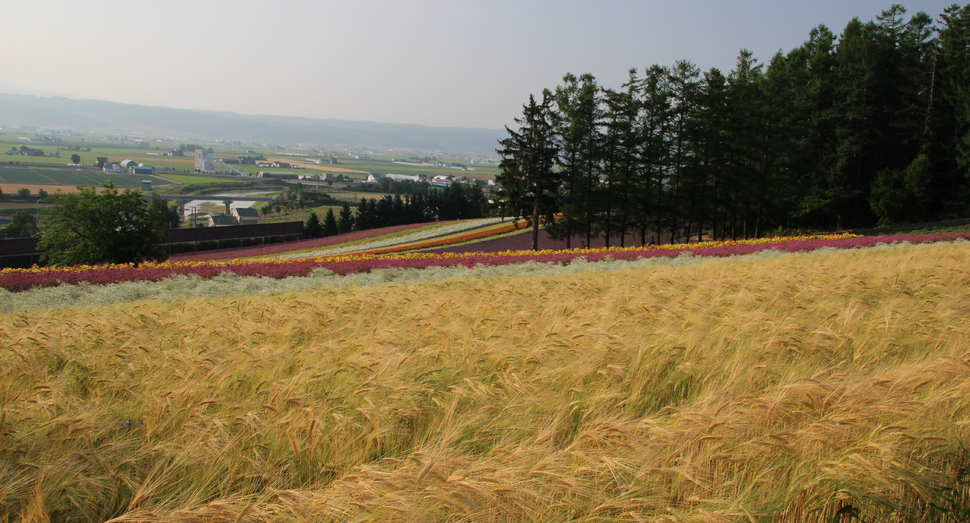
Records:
x=380, y=243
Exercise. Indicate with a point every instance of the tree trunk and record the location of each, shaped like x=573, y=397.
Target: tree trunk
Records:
x=535, y=224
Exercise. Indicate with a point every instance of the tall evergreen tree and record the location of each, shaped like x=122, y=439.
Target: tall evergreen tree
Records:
x=312, y=227
x=528, y=156
x=577, y=120
x=782, y=133
x=685, y=95
x=383, y=211
x=951, y=114
x=330, y=227
x=712, y=152
x=345, y=222
x=365, y=217
x=621, y=158
x=747, y=168
x=843, y=197
x=655, y=133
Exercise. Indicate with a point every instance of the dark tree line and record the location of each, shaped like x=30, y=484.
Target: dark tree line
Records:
x=388, y=185
x=868, y=127
x=458, y=201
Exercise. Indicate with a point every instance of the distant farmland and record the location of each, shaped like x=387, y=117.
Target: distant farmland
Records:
x=24, y=175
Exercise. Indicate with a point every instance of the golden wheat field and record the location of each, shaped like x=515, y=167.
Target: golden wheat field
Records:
x=829, y=386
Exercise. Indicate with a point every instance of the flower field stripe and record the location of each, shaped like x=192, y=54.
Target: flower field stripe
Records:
x=308, y=245
x=448, y=240
x=17, y=280
x=438, y=230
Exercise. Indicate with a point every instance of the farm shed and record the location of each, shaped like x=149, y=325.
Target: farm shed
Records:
x=407, y=177
x=245, y=215
x=278, y=176
x=221, y=221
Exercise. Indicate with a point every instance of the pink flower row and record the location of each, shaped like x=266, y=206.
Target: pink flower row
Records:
x=17, y=280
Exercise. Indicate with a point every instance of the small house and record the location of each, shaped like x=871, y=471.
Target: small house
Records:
x=245, y=215
x=405, y=177
x=218, y=220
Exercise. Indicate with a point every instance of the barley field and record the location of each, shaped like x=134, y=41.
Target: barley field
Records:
x=823, y=386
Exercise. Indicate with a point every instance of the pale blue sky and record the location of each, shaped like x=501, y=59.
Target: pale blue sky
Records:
x=460, y=63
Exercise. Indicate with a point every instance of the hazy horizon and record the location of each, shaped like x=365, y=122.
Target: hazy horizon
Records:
x=442, y=63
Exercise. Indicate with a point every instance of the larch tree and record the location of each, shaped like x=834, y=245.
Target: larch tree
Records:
x=312, y=228
x=527, y=176
x=345, y=221
x=330, y=227
x=577, y=120
x=621, y=157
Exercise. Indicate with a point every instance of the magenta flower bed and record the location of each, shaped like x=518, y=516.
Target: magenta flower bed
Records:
x=17, y=280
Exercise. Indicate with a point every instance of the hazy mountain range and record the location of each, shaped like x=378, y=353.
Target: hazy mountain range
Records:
x=117, y=118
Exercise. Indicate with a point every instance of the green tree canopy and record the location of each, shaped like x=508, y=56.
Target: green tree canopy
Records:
x=23, y=223
x=105, y=226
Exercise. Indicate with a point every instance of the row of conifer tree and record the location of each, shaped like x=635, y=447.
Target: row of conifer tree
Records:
x=868, y=127
x=458, y=201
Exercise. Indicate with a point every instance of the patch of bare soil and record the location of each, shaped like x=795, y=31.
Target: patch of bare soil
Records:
x=11, y=188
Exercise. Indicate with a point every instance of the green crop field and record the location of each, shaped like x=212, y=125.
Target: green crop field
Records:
x=192, y=178
x=53, y=176
x=385, y=167
x=89, y=158
x=8, y=208
x=92, y=147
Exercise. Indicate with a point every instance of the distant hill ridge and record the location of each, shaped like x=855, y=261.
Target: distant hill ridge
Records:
x=111, y=117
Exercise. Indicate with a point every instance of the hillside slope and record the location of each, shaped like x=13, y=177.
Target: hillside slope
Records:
x=779, y=387
x=112, y=117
